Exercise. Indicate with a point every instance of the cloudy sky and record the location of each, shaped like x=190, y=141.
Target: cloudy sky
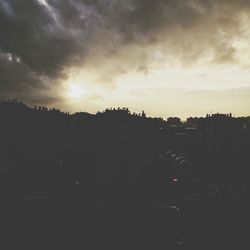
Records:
x=167, y=57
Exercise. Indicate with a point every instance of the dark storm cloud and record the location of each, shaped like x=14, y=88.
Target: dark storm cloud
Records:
x=30, y=34
x=108, y=37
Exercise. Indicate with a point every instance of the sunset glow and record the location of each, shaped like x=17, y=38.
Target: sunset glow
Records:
x=76, y=91
x=182, y=58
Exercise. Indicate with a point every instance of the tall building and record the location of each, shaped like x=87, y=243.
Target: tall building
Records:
x=220, y=133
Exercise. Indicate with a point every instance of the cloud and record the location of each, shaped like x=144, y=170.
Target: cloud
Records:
x=111, y=37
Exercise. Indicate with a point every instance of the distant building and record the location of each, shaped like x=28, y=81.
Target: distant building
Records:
x=193, y=122
x=220, y=132
x=174, y=121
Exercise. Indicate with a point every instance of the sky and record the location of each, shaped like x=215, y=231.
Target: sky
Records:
x=166, y=57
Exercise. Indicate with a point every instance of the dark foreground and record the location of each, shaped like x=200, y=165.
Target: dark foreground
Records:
x=40, y=223
x=117, y=180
